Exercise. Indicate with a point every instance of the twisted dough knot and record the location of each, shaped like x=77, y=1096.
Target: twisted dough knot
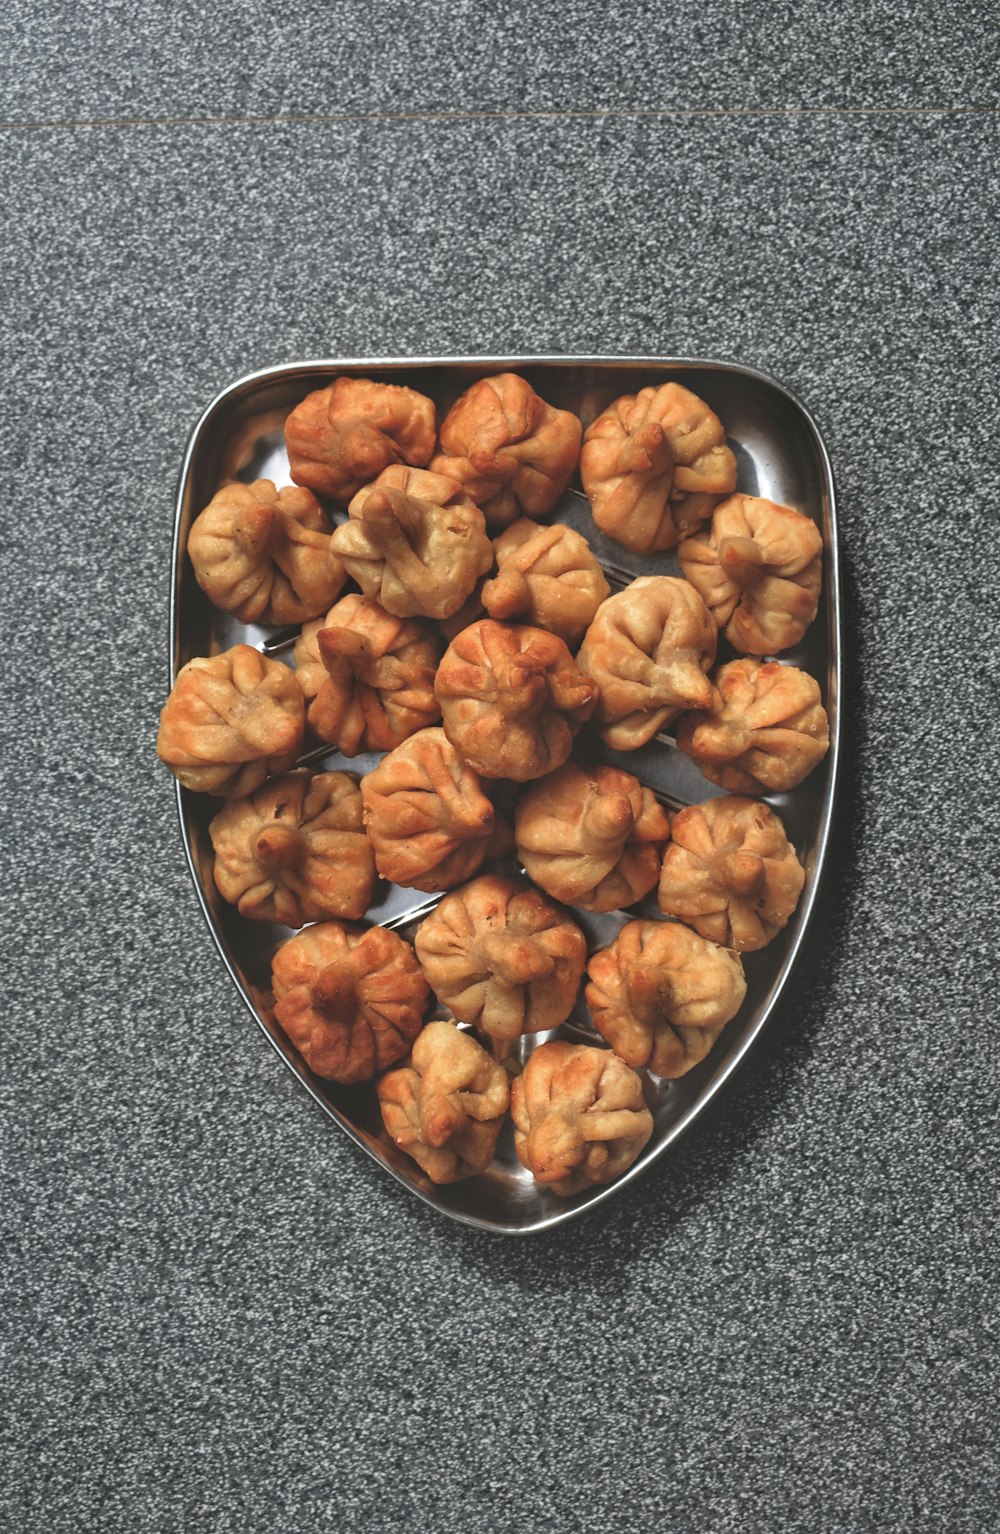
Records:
x=446, y=1105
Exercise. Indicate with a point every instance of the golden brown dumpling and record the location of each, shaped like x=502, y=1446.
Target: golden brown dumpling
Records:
x=264, y=555
x=502, y=956
x=512, y=698
x=342, y=436
x=648, y=650
x=591, y=837
x=759, y=567
x=415, y=542
x=230, y=721
x=654, y=465
x=730, y=872
x=377, y=674
x=351, y=1001
x=661, y=995
x=547, y=577
x=428, y=819
x=445, y=1107
x=513, y=453
x=580, y=1118
x=764, y=734
x=295, y=851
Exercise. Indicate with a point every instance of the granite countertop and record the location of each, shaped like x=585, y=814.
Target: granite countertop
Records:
x=218, y=1314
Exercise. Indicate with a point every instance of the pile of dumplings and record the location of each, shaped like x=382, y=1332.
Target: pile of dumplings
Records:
x=446, y=627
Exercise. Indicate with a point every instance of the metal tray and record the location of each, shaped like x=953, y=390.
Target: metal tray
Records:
x=781, y=455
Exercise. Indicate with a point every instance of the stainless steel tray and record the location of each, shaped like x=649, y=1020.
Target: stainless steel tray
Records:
x=780, y=455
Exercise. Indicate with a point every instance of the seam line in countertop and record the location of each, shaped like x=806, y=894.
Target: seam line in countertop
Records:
x=591, y=115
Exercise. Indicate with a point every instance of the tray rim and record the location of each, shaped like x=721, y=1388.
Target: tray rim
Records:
x=282, y=1048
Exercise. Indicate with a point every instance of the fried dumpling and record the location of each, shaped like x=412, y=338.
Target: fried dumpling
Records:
x=512, y=698
x=547, y=577
x=376, y=686
x=513, y=453
x=591, y=837
x=230, y=721
x=502, y=956
x=660, y=995
x=730, y=872
x=351, y=1001
x=446, y=1105
x=765, y=732
x=648, y=649
x=295, y=851
x=428, y=819
x=580, y=1118
x=415, y=542
x=759, y=567
x=264, y=555
x=339, y=438
x=654, y=465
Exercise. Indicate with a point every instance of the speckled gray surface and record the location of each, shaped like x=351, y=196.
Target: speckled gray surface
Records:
x=129, y=58
x=217, y=1314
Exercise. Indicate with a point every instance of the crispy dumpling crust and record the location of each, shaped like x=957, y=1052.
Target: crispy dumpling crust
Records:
x=376, y=685
x=547, y=577
x=649, y=650
x=428, y=819
x=446, y=1105
x=512, y=698
x=513, y=452
x=295, y=850
x=351, y=1001
x=660, y=995
x=502, y=956
x=339, y=438
x=591, y=837
x=264, y=555
x=730, y=872
x=415, y=542
x=759, y=568
x=580, y=1118
x=654, y=465
x=230, y=721
x=765, y=732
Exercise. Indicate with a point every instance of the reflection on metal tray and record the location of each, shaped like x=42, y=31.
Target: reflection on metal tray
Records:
x=780, y=454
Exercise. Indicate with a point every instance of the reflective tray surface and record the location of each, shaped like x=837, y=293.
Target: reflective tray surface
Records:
x=780, y=455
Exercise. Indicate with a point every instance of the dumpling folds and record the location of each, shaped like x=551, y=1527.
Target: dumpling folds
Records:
x=513, y=452
x=580, y=1118
x=503, y=957
x=446, y=1105
x=341, y=437
x=351, y=1001
x=547, y=577
x=765, y=731
x=415, y=542
x=295, y=851
x=230, y=721
x=264, y=555
x=660, y=995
